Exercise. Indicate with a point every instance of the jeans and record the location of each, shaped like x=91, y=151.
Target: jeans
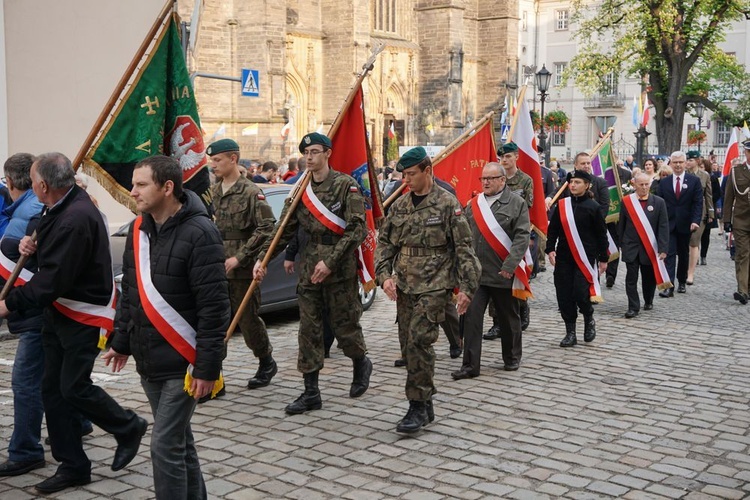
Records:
x=177, y=472
x=28, y=410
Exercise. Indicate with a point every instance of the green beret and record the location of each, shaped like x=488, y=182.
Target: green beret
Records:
x=222, y=146
x=508, y=147
x=693, y=154
x=413, y=157
x=314, y=138
x=746, y=145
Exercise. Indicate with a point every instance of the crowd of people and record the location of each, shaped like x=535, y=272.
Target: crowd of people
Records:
x=187, y=267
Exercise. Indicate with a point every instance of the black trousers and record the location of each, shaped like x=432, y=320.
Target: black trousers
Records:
x=508, y=317
x=70, y=350
x=648, y=284
x=705, y=240
x=679, y=251
x=572, y=291
x=612, y=265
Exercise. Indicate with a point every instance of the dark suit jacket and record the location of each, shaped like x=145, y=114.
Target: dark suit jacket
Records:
x=631, y=248
x=689, y=208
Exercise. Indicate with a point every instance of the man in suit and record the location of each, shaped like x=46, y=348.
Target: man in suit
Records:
x=636, y=252
x=683, y=195
x=737, y=220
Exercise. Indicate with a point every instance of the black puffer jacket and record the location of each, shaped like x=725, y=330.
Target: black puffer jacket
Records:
x=187, y=268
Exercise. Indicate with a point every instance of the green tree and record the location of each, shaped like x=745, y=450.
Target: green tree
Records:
x=673, y=46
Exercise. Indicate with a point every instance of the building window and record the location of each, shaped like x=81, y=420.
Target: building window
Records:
x=559, y=69
x=558, y=137
x=609, y=84
x=384, y=15
x=562, y=17
x=721, y=134
x=524, y=20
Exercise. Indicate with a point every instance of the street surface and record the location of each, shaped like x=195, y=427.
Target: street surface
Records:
x=656, y=407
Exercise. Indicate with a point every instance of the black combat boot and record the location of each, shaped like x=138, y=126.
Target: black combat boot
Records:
x=310, y=399
x=415, y=418
x=430, y=410
x=266, y=370
x=525, y=320
x=361, y=380
x=570, y=335
x=589, y=328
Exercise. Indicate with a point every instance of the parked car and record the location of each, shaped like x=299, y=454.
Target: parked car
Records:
x=279, y=289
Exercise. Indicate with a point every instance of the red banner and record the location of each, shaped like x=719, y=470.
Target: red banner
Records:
x=351, y=155
x=463, y=166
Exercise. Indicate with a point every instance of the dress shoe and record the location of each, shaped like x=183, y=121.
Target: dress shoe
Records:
x=741, y=297
x=511, y=367
x=542, y=269
x=60, y=481
x=11, y=468
x=399, y=362
x=128, y=444
x=610, y=282
x=492, y=333
x=667, y=294
x=681, y=288
x=267, y=368
x=703, y=261
x=456, y=351
x=631, y=313
x=648, y=307
x=462, y=374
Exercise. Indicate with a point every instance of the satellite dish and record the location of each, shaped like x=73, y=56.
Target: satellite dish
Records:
x=195, y=23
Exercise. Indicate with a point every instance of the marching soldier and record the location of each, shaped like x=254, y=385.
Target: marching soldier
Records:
x=332, y=213
x=576, y=238
x=424, y=251
x=246, y=222
x=737, y=221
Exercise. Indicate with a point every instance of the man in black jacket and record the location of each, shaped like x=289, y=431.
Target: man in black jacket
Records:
x=173, y=316
x=75, y=273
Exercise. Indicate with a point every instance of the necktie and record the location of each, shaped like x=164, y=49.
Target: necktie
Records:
x=678, y=188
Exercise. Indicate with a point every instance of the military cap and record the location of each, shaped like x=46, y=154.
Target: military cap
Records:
x=508, y=147
x=222, y=146
x=413, y=157
x=314, y=138
x=693, y=154
x=746, y=145
x=580, y=174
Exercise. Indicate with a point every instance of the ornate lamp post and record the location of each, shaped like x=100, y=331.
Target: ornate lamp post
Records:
x=699, y=109
x=543, y=78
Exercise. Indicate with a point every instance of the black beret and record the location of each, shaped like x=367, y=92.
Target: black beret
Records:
x=314, y=138
x=580, y=174
x=222, y=146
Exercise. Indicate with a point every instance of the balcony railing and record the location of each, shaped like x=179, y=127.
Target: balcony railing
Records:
x=605, y=101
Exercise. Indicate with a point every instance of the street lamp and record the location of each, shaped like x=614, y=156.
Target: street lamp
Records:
x=543, y=78
x=699, y=109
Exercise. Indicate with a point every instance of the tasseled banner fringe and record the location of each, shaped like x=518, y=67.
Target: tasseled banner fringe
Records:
x=219, y=385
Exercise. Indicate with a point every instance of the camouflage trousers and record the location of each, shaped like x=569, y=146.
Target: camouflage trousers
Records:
x=343, y=308
x=420, y=316
x=252, y=326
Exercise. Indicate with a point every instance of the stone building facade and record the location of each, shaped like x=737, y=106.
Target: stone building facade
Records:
x=445, y=63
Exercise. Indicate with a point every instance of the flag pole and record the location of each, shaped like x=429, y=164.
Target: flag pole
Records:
x=167, y=9
x=443, y=155
x=107, y=110
x=521, y=96
x=298, y=191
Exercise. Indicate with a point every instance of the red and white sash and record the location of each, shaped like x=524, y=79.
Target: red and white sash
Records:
x=648, y=239
x=576, y=248
x=167, y=321
x=100, y=316
x=501, y=243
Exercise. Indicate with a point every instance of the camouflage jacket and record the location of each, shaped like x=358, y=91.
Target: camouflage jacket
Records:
x=245, y=221
x=341, y=195
x=427, y=247
x=522, y=185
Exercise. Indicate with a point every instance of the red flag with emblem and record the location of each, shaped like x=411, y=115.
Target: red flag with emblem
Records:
x=463, y=166
x=350, y=154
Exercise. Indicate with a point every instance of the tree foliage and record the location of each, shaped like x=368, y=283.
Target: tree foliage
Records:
x=673, y=46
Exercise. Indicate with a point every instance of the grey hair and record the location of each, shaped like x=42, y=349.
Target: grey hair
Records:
x=56, y=170
x=84, y=179
x=498, y=166
x=678, y=154
x=17, y=169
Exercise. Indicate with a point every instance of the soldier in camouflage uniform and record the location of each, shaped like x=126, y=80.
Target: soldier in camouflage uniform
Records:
x=424, y=251
x=519, y=183
x=332, y=213
x=246, y=222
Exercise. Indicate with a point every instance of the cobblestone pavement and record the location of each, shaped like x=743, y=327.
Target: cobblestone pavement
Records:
x=656, y=407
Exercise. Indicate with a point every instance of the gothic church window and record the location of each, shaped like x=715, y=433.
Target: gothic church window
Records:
x=384, y=15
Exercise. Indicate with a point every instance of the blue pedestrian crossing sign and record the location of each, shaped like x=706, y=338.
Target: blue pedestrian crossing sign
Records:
x=250, y=86
x=504, y=130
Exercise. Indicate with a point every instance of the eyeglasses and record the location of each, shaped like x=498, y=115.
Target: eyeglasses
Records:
x=313, y=152
x=488, y=179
